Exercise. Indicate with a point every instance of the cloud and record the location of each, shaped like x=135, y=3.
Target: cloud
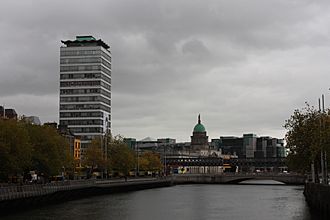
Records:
x=244, y=66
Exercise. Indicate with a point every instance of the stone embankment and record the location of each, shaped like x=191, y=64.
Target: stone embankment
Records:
x=16, y=198
x=318, y=198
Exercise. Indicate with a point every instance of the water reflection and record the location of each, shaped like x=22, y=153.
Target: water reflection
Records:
x=261, y=182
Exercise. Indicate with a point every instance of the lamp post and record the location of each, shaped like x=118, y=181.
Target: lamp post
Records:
x=106, y=135
x=63, y=173
x=4, y=112
x=137, y=159
x=165, y=160
x=324, y=171
x=321, y=137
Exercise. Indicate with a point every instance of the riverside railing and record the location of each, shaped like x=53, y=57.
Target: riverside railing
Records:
x=10, y=192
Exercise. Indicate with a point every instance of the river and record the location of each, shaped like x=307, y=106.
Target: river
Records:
x=185, y=202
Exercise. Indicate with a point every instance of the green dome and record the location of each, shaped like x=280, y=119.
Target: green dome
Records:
x=199, y=128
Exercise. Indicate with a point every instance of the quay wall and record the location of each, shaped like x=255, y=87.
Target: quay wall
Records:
x=318, y=198
x=19, y=198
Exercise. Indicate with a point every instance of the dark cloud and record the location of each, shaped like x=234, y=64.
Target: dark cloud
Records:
x=243, y=66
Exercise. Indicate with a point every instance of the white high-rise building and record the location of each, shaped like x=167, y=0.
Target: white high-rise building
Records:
x=85, y=88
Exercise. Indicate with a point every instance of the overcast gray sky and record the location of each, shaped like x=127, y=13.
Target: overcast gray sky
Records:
x=243, y=65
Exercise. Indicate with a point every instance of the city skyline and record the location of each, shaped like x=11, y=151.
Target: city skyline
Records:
x=243, y=67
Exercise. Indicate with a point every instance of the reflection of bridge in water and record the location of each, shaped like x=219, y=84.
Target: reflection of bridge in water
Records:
x=235, y=178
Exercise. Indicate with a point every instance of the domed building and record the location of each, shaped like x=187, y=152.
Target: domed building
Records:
x=199, y=140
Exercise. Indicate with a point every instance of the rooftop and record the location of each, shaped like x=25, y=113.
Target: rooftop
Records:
x=199, y=127
x=85, y=41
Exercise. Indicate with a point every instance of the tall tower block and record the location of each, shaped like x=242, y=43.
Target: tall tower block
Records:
x=85, y=88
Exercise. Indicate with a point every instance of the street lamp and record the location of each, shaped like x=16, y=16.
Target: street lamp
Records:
x=137, y=159
x=63, y=173
x=324, y=171
x=165, y=160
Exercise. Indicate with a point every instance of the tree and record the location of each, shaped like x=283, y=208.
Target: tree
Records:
x=94, y=156
x=50, y=149
x=25, y=147
x=15, y=149
x=150, y=161
x=308, y=133
x=121, y=157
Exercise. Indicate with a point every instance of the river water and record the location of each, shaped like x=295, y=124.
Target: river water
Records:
x=185, y=202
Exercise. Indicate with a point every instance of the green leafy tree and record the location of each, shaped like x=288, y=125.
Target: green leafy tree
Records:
x=121, y=157
x=50, y=150
x=94, y=155
x=15, y=149
x=25, y=147
x=150, y=161
x=143, y=163
x=308, y=133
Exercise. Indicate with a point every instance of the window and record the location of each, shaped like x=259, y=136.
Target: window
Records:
x=79, y=52
x=86, y=99
x=80, y=83
x=106, y=56
x=82, y=76
x=106, y=63
x=80, y=114
x=81, y=60
x=87, y=130
x=106, y=78
x=84, y=107
x=106, y=71
x=82, y=122
x=79, y=91
x=80, y=68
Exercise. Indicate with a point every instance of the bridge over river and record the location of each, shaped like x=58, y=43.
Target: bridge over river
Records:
x=16, y=197
x=234, y=178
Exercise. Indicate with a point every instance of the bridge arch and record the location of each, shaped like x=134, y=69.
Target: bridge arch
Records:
x=286, y=179
x=235, y=178
x=242, y=181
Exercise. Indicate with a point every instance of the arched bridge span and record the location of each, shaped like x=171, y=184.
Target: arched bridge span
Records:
x=235, y=178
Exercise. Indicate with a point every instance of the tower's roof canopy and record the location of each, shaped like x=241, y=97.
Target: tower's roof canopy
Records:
x=85, y=41
x=199, y=127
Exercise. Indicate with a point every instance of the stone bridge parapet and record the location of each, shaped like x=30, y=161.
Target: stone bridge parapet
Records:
x=235, y=178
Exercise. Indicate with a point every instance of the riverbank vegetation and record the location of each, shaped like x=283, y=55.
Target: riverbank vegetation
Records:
x=26, y=148
x=111, y=155
x=150, y=161
x=308, y=135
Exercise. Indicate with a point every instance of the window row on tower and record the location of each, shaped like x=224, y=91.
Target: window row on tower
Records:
x=64, y=53
x=87, y=130
x=84, y=107
x=98, y=60
x=85, y=92
x=82, y=122
x=78, y=68
x=96, y=114
x=86, y=76
x=86, y=99
x=87, y=137
x=85, y=83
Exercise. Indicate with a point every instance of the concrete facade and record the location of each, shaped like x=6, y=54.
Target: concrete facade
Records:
x=85, y=88
x=250, y=146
